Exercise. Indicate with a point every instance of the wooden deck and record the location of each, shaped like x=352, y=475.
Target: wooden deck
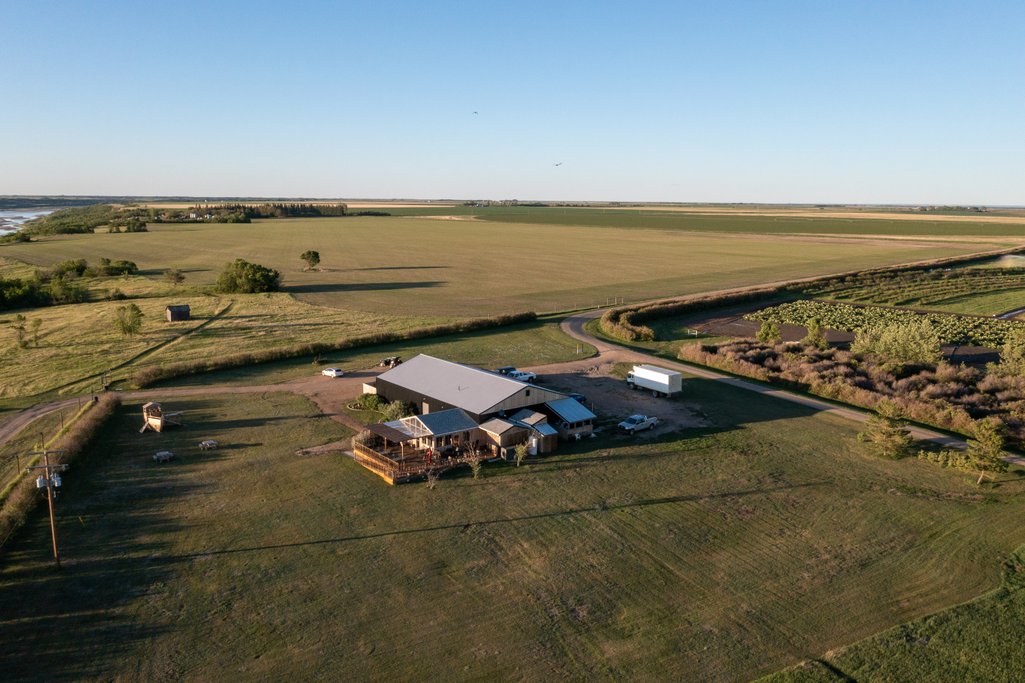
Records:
x=397, y=468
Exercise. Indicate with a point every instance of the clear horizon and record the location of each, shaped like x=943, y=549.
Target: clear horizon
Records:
x=908, y=103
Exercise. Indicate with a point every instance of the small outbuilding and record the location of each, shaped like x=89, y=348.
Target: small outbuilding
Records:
x=177, y=312
x=571, y=418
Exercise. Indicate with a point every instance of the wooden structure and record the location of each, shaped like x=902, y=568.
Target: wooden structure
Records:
x=163, y=456
x=154, y=417
x=176, y=312
x=409, y=448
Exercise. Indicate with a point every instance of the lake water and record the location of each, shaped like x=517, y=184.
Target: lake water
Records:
x=11, y=219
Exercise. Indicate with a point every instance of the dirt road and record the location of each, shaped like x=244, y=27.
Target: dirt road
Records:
x=331, y=394
x=613, y=353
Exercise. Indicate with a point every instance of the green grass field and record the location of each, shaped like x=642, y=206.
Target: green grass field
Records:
x=538, y=343
x=413, y=266
x=716, y=220
x=717, y=554
x=976, y=641
x=806, y=224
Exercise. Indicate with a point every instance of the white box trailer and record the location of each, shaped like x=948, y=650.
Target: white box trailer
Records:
x=659, y=381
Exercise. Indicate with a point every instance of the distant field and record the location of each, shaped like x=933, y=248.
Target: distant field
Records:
x=765, y=220
x=714, y=554
x=761, y=224
x=459, y=268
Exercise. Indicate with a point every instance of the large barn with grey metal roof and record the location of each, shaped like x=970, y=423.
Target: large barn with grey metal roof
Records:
x=432, y=384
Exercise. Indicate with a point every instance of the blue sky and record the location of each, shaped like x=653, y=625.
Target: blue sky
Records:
x=818, y=101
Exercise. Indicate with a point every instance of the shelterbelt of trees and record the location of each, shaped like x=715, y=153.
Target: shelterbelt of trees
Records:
x=86, y=219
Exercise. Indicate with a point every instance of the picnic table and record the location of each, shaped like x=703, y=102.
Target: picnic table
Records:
x=163, y=456
x=208, y=445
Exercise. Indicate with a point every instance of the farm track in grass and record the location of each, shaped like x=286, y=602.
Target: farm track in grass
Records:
x=416, y=266
x=717, y=554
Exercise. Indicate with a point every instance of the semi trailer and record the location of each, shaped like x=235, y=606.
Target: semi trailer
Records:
x=659, y=381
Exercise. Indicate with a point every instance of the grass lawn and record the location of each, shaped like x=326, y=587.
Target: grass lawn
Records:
x=977, y=641
x=421, y=266
x=538, y=343
x=716, y=554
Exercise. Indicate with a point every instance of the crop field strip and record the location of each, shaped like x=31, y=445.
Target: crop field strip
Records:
x=668, y=220
x=419, y=266
x=721, y=555
x=928, y=288
x=951, y=328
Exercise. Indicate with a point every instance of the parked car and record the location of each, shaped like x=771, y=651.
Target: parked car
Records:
x=579, y=397
x=505, y=370
x=390, y=362
x=332, y=372
x=637, y=423
x=523, y=375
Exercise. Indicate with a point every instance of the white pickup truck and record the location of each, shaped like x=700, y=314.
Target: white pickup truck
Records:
x=637, y=423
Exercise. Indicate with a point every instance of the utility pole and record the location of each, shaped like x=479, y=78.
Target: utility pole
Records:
x=50, y=471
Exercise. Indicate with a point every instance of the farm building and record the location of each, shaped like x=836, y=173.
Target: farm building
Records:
x=432, y=384
x=464, y=412
x=571, y=418
x=176, y=312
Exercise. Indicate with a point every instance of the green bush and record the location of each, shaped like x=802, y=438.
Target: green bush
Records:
x=243, y=277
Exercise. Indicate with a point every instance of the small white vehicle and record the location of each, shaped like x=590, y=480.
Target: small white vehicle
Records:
x=637, y=423
x=332, y=372
x=523, y=375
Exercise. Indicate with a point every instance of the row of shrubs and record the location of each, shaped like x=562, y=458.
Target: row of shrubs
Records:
x=24, y=495
x=945, y=396
x=150, y=375
x=628, y=322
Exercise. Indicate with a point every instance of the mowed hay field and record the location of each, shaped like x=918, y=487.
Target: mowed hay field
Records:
x=716, y=554
x=78, y=342
x=467, y=268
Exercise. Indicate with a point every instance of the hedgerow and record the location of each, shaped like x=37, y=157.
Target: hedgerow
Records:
x=156, y=373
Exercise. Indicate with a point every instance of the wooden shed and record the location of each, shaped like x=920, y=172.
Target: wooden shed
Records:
x=176, y=312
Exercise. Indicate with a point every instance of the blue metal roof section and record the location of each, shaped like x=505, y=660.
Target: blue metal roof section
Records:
x=571, y=410
x=447, y=422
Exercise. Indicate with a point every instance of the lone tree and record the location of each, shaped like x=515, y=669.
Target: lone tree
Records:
x=815, y=336
x=521, y=453
x=986, y=450
x=129, y=320
x=174, y=276
x=769, y=332
x=311, y=257
x=887, y=432
x=19, y=330
x=242, y=277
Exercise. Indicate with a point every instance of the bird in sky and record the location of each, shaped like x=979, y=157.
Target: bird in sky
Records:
x=474, y=112
x=559, y=164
